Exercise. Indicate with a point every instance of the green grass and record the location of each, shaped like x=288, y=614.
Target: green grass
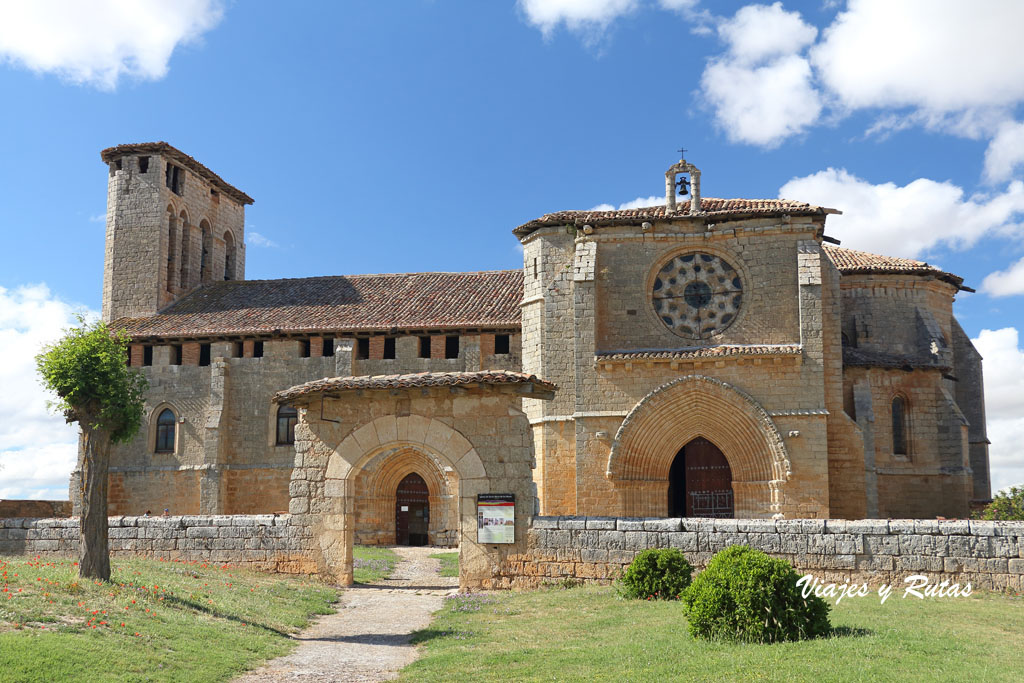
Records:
x=371, y=563
x=449, y=563
x=155, y=620
x=589, y=634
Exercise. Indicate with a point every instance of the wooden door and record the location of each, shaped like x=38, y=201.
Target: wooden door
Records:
x=700, y=482
x=412, y=511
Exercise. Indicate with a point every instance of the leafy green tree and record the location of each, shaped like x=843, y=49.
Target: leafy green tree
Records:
x=1006, y=506
x=86, y=369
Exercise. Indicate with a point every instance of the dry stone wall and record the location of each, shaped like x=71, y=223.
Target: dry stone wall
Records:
x=989, y=555
x=270, y=542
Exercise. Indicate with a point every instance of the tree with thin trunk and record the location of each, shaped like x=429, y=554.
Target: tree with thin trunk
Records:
x=88, y=372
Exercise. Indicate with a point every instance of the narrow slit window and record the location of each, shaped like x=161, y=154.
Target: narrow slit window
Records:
x=501, y=346
x=451, y=346
x=165, y=424
x=899, y=426
x=287, y=416
x=389, y=348
x=424, y=347
x=147, y=355
x=363, y=348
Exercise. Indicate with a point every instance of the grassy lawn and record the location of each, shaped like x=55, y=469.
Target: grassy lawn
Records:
x=371, y=563
x=156, y=620
x=449, y=563
x=589, y=634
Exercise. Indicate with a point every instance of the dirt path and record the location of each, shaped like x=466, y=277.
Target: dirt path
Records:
x=368, y=638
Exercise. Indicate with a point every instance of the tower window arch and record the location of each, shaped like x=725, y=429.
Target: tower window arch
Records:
x=206, y=257
x=287, y=416
x=172, y=256
x=229, y=256
x=165, y=431
x=899, y=426
x=183, y=281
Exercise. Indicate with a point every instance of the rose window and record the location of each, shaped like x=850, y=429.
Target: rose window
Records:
x=697, y=295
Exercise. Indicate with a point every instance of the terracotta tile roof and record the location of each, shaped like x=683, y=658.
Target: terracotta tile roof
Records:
x=720, y=351
x=344, y=303
x=876, y=359
x=851, y=261
x=111, y=153
x=333, y=385
x=710, y=208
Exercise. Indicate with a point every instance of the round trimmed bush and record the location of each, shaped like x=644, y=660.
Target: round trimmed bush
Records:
x=659, y=574
x=746, y=595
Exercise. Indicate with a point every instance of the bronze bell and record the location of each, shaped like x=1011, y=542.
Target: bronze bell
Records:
x=684, y=186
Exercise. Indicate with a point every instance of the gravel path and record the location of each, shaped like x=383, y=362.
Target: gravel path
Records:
x=368, y=638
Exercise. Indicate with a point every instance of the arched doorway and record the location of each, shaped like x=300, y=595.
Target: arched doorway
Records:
x=700, y=482
x=412, y=511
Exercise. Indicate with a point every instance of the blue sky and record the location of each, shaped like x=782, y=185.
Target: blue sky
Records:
x=414, y=135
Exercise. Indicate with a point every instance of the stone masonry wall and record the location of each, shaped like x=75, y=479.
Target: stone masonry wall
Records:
x=269, y=542
x=990, y=555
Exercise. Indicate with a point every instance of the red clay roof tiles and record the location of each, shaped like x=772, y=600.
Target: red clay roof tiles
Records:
x=345, y=303
x=710, y=208
x=411, y=381
x=851, y=261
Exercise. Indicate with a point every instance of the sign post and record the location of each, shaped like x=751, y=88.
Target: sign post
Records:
x=496, y=518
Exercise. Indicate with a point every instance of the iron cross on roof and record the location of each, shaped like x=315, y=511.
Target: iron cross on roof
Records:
x=682, y=153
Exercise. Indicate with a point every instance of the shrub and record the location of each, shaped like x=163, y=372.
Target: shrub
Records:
x=1008, y=506
x=661, y=574
x=748, y=596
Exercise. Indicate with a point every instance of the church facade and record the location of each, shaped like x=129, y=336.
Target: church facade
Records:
x=713, y=358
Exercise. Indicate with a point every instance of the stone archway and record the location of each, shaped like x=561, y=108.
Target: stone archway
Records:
x=375, y=486
x=678, y=412
x=391, y=439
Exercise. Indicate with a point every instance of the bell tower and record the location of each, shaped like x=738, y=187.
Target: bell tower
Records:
x=676, y=177
x=172, y=225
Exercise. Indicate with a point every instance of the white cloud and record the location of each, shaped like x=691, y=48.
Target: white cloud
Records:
x=637, y=203
x=1005, y=282
x=37, y=449
x=577, y=15
x=761, y=88
x=762, y=105
x=937, y=55
x=760, y=32
x=257, y=240
x=1004, y=404
x=99, y=41
x=910, y=219
x=1005, y=152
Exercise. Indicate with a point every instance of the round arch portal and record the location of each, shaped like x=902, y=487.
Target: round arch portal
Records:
x=680, y=411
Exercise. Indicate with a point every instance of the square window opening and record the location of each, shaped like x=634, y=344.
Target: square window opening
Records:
x=204, y=355
x=304, y=351
x=147, y=355
x=143, y=164
x=363, y=348
x=451, y=346
x=328, y=349
x=389, y=348
x=501, y=344
x=176, y=354
x=424, y=347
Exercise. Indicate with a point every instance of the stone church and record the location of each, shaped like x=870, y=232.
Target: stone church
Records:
x=702, y=358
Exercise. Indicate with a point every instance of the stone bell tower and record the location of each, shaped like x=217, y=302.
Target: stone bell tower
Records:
x=172, y=225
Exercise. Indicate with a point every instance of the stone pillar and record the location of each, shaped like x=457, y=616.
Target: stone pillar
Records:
x=864, y=407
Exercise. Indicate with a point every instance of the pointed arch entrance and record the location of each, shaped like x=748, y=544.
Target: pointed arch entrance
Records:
x=412, y=511
x=647, y=443
x=700, y=482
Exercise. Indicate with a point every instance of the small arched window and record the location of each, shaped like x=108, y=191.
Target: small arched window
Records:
x=165, y=431
x=287, y=416
x=185, y=275
x=205, y=259
x=172, y=256
x=899, y=425
x=229, y=256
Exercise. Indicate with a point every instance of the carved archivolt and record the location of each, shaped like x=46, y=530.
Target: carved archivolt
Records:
x=677, y=412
